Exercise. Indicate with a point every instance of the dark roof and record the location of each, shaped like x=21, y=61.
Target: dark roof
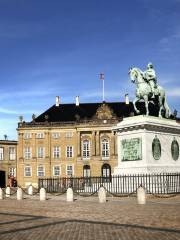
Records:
x=86, y=111
x=8, y=141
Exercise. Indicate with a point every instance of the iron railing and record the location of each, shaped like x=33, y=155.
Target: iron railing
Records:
x=163, y=183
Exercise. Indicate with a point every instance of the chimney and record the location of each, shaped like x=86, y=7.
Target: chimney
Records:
x=77, y=100
x=57, y=101
x=126, y=98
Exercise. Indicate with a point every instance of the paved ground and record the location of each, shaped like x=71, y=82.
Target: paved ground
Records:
x=87, y=219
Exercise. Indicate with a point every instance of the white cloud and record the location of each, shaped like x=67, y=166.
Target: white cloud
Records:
x=173, y=92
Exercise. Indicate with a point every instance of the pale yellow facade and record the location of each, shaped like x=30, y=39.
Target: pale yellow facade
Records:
x=8, y=158
x=64, y=150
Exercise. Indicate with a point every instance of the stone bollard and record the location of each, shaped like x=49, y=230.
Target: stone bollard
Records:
x=30, y=190
x=42, y=194
x=19, y=194
x=102, y=195
x=141, y=196
x=8, y=191
x=69, y=195
x=1, y=194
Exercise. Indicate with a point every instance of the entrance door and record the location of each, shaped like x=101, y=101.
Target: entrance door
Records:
x=86, y=171
x=2, y=179
x=106, y=172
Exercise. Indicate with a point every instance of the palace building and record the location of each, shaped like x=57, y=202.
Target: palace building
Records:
x=8, y=160
x=70, y=140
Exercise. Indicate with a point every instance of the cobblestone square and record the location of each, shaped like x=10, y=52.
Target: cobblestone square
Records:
x=85, y=218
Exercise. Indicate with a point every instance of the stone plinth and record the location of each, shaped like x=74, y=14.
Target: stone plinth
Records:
x=147, y=145
x=102, y=195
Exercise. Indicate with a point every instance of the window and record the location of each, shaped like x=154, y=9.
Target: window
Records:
x=56, y=171
x=40, y=135
x=69, y=170
x=69, y=135
x=27, y=153
x=55, y=135
x=27, y=135
x=40, y=152
x=12, y=172
x=27, y=171
x=69, y=151
x=56, y=152
x=105, y=148
x=86, y=171
x=86, y=149
x=12, y=153
x=40, y=171
x=1, y=153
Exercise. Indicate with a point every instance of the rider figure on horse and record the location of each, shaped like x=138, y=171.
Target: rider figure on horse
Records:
x=150, y=76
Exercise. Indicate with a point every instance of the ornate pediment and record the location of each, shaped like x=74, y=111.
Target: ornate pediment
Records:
x=105, y=112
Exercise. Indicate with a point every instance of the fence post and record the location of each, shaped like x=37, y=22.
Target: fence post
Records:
x=19, y=194
x=102, y=195
x=69, y=195
x=8, y=192
x=141, y=195
x=42, y=194
x=1, y=194
x=30, y=190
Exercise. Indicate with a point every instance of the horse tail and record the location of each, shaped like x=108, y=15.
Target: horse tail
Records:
x=166, y=107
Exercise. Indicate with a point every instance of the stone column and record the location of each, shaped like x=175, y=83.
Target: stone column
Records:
x=42, y=196
x=141, y=196
x=19, y=194
x=78, y=144
x=93, y=143
x=30, y=190
x=102, y=195
x=69, y=195
x=115, y=143
x=1, y=194
x=8, y=192
x=97, y=144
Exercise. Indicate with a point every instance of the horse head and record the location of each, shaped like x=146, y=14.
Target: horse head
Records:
x=133, y=73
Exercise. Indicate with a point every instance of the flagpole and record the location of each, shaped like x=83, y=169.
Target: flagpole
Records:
x=101, y=77
x=103, y=91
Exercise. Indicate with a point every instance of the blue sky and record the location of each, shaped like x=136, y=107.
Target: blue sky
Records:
x=50, y=48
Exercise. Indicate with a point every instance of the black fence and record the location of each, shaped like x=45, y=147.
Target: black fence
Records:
x=166, y=183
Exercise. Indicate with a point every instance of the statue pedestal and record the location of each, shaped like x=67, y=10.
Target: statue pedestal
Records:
x=147, y=144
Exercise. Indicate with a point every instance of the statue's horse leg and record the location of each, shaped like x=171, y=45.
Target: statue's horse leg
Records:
x=146, y=104
x=134, y=103
x=160, y=105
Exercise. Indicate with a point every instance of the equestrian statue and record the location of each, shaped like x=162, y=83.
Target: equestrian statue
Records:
x=148, y=90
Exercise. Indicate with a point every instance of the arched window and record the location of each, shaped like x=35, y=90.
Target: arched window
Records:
x=86, y=149
x=105, y=148
x=86, y=171
x=106, y=170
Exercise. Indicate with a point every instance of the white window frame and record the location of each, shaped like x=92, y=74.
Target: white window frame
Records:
x=56, y=152
x=67, y=170
x=69, y=151
x=27, y=135
x=12, y=153
x=42, y=172
x=105, y=148
x=54, y=171
x=40, y=152
x=1, y=153
x=27, y=152
x=86, y=149
x=30, y=171
x=55, y=135
x=39, y=135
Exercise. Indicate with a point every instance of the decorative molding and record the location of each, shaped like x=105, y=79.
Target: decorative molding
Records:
x=105, y=112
